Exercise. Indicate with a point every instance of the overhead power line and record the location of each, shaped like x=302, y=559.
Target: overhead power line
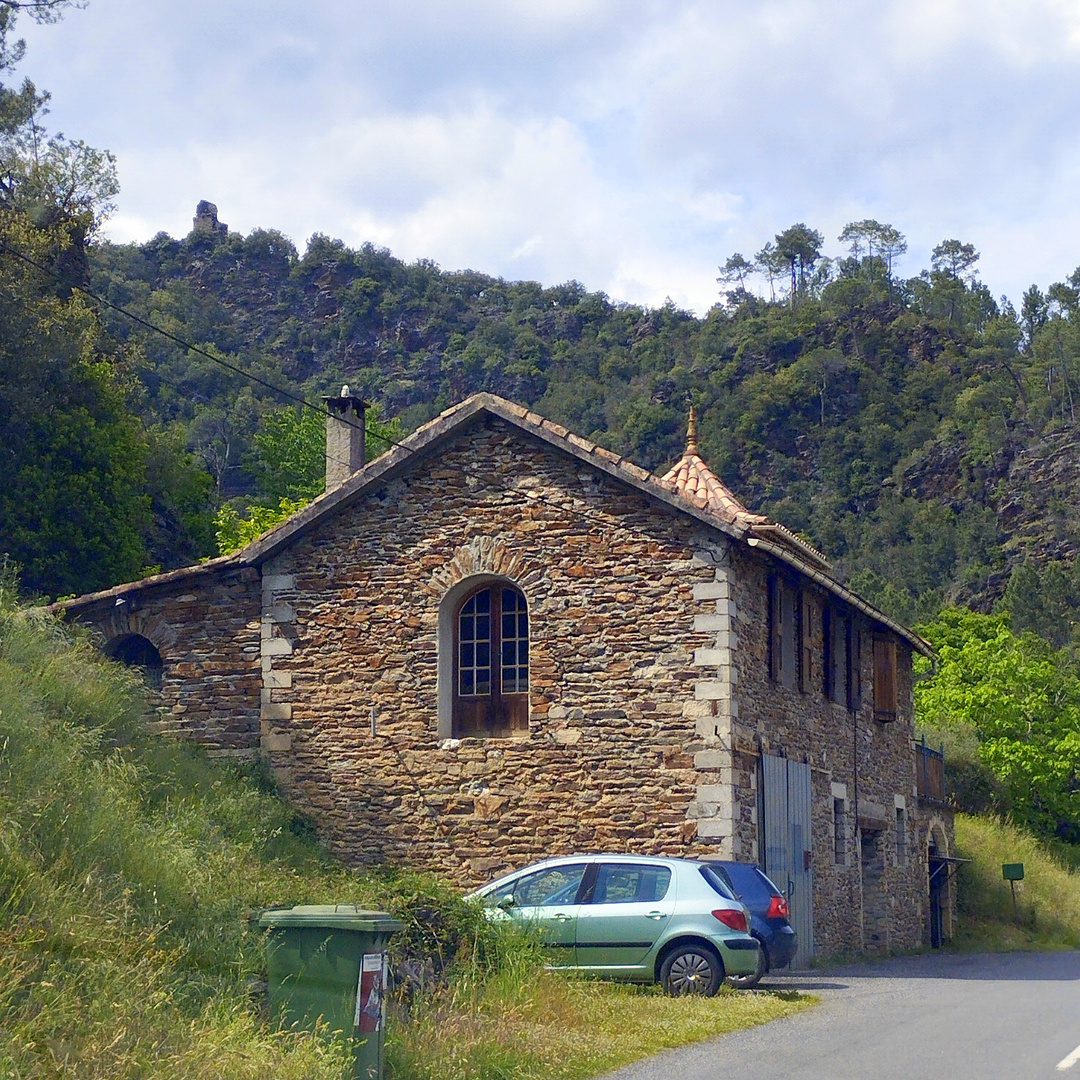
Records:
x=5, y=249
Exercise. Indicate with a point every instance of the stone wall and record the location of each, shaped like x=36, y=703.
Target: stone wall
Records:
x=650, y=695
x=612, y=580
x=808, y=727
x=206, y=628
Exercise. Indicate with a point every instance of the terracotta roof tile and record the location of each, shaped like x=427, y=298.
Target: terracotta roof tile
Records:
x=691, y=478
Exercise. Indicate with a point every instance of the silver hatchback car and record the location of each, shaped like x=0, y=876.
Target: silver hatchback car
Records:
x=634, y=917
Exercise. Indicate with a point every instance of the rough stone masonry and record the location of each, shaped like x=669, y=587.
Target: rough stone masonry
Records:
x=325, y=646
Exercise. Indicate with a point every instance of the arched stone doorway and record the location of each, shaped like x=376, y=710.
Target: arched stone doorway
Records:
x=937, y=861
x=136, y=651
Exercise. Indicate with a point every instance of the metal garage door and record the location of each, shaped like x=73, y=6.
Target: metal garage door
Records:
x=788, y=841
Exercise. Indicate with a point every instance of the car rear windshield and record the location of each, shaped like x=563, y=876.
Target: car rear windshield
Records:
x=716, y=881
x=752, y=886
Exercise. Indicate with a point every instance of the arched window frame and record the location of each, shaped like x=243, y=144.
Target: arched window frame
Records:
x=448, y=643
x=139, y=652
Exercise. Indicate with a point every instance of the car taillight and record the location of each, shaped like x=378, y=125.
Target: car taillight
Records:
x=778, y=908
x=731, y=917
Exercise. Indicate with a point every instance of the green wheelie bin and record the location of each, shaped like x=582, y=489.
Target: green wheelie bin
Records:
x=327, y=962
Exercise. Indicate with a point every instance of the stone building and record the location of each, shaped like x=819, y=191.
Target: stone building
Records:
x=499, y=641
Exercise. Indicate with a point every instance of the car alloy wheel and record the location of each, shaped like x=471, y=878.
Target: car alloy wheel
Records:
x=691, y=969
x=748, y=982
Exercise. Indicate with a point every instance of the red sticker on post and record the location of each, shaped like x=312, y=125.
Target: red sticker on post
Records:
x=369, y=992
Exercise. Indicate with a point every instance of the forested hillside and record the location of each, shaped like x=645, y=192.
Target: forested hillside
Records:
x=919, y=432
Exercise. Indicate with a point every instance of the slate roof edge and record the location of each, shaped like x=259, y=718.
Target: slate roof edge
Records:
x=169, y=577
x=919, y=644
x=441, y=429
x=804, y=549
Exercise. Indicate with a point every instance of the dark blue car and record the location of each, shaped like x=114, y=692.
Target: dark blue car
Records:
x=768, y=917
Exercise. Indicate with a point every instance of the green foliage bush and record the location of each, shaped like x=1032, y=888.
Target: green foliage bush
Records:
x=1007, y=707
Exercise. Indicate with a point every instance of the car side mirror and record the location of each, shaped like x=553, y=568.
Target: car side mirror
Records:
x=505, y=902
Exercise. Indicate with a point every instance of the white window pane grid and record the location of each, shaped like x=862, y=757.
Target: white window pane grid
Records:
x=474, y=646
x=515, y=643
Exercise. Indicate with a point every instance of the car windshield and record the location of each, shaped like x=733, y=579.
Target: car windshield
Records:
x=542, y=888
x=717, y=882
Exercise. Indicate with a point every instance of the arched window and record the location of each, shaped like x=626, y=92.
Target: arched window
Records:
x=138, y=652
x=491, y=663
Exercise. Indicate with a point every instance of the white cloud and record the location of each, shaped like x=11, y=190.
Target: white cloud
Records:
x=632, y=145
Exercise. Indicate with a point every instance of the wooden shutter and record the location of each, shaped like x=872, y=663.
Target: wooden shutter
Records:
x=789, y=646
x=855, y=666
x=837, y=656
x=775, y=623
x=885, y=693
x=806, y=652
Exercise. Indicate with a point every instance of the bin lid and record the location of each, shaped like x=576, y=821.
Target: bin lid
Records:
x=335, y=916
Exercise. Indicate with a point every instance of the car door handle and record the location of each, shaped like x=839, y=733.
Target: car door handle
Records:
x=561, y=916
x=656, y=915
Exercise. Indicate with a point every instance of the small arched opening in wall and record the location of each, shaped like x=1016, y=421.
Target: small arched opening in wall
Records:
x=139, y=652
x=938, y=862
x=483, y=659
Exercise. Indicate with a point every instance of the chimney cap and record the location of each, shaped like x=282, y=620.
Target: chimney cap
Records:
x=340, y=403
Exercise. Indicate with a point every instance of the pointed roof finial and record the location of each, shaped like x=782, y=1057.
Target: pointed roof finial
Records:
x=691, y=433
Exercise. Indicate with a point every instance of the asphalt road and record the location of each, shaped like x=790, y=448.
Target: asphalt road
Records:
x=1011, y=1016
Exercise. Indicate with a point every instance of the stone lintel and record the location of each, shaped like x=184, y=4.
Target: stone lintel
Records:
x=872, y=815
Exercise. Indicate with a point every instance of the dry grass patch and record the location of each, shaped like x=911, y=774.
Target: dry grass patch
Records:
x=552, y=1028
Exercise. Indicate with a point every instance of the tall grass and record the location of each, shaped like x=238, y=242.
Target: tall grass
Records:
x=1047, y=913
x=130, y=867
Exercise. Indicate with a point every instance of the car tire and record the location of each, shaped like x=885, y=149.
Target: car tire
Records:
x=748, y=982
x=691, y=969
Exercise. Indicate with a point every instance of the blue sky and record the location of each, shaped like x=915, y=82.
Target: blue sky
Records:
x=629, y=144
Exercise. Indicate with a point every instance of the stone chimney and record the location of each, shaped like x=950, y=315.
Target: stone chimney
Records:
x=344, y=437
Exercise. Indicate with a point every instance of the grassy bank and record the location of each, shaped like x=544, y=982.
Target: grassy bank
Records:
x=551, y=1028
x=129, y=868
x=1048, y=899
